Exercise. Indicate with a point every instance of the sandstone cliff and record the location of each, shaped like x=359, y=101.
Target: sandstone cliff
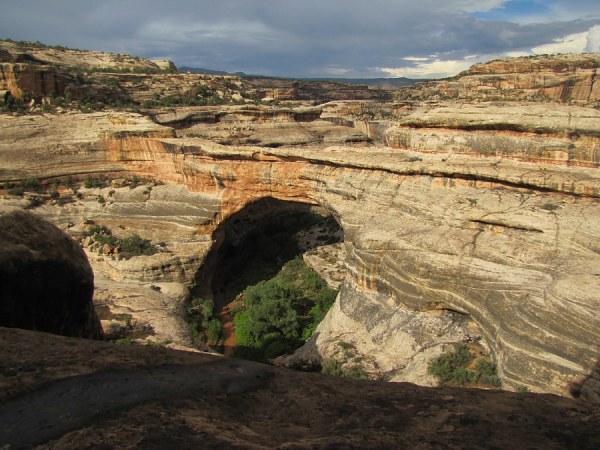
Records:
x=564, y=78
x=463, y=221
x=39, y=54
x=32, y=69
x=529, y=132
x=440, y=247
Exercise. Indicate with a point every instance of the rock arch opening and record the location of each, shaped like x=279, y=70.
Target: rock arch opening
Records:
x=274, y=268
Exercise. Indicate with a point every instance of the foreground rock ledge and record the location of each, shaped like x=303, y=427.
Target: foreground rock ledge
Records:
x=238, y=404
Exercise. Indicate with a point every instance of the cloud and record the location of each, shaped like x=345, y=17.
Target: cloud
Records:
x=588, y=41
x=572, y=10
x=431, y=69
x=308, y=38
x=573, y=43
x=593, y=39
x=414, y=58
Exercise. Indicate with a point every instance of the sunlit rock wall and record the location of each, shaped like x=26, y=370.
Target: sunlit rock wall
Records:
x=509, y=243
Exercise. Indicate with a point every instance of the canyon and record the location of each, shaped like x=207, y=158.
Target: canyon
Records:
x=465, y=219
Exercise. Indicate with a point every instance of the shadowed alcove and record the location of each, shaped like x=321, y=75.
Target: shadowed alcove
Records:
x=253, y=245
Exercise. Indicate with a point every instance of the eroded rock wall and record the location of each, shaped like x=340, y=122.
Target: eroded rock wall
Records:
x=39, y=54
x=510, y=244
x=563, y=78
x=531, y=132
x=20, y=79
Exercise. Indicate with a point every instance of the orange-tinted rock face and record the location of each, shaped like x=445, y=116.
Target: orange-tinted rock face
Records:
x=31, y=79
x=559, y=64
x=511, y=243
x=565, y=78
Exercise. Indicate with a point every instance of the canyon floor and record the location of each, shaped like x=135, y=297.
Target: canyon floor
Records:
x=77, y=394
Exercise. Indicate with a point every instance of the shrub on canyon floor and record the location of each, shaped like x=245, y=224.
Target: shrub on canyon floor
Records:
x=459, y=367
x=332, y=366
x=26, y=185
x=276, y=316
x=17, y=191
x=206, y=326
x=135, y=245
x=31, y=184
x=34, y=202
x=346, y=362
x=96, y=182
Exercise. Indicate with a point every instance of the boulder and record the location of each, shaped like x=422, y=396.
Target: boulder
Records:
x=46, y=282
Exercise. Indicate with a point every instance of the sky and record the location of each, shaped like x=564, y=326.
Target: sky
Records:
x=312, y=38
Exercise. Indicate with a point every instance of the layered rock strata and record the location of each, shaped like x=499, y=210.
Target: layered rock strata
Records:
x=36, y=53
x=507, y=243
x=32, y=69
x=563, y=78
x=561, y=134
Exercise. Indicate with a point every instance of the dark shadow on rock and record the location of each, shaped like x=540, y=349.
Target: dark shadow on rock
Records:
x=252, y=245
x=46, y=281
x=73, y=402
x=589, y=388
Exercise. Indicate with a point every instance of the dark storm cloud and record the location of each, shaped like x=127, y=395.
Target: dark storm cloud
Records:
x=299, y=38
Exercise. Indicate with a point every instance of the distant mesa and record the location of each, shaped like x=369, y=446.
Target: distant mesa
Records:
x=539, y=78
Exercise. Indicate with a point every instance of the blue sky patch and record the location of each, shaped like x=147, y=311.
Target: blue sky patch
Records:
x=514, y=10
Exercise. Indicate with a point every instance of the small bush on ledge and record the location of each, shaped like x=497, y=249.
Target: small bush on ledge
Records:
x=332, y=366
x=125, y=248
x=135, y=246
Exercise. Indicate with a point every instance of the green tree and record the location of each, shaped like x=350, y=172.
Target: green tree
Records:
x=279, y=314
x=269, y=310
x=213, y=331
x=135, y=245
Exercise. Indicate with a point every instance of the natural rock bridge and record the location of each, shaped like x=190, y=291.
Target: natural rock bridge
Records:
x=440, y=246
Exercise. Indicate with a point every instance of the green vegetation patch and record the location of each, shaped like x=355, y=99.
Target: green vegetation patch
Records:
x=126, y=248
x=459, y=368
x=278, y=315
x=198, y=95
x=96, y=182
x=206, y=326
x=26, y=185
x=347, y=362
x=332, y=366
